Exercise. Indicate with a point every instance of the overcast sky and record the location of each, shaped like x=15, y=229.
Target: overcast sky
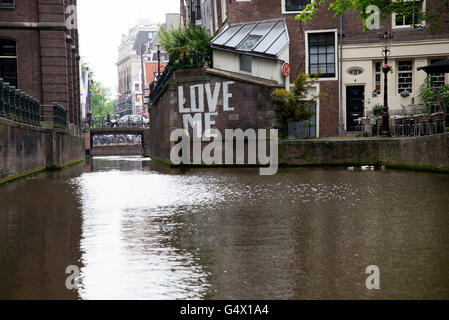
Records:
x=101, y=24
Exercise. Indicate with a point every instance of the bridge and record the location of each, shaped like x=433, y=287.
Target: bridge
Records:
x=118, y=149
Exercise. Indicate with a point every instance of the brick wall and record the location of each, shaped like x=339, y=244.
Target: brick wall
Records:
x=272, y=9
x=48, y=57
x=251, y=101
x=353, y=29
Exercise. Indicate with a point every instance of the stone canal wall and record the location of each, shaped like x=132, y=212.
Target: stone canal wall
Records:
x=26, y=150
x=422, y=153
x=117, y=150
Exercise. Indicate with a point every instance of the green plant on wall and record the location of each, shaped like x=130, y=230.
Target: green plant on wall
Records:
x=187, y=47
x=294, y=105
x=378, y=110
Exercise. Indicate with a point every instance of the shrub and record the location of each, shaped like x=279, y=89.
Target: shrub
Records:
x=293, y=105
x=187, y=47
x=378, y=110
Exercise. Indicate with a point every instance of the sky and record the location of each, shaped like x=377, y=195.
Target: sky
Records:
x=101, y=24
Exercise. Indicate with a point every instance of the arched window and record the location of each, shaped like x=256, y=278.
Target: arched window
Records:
x=8, y=61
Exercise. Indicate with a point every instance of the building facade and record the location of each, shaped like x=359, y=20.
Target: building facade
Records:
x=137, y=64
x=39, y=53
x=86, y=92
x=348, y=59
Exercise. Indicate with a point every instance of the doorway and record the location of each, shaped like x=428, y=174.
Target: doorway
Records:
x=355, y=106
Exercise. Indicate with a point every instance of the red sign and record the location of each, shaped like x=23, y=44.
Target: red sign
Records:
x=286, y=70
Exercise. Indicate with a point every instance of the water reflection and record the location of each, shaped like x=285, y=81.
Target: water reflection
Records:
x=142, y=231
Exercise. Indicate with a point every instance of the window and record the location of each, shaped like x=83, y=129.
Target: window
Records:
x=407, y=20
x=437, y=79
x=355, y=71
x=322, y=54
x=245, y=63
x=6, y=3
x=250, y=42
x=294, y=5
x=8, y=61
x=377, y=78
x=405, y=76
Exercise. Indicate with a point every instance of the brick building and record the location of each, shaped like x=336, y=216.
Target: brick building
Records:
x=349, y=64
x=39, y=52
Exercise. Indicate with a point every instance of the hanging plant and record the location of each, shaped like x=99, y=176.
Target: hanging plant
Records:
x=388, y=68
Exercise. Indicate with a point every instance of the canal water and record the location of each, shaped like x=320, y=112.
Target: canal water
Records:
x=140, y=231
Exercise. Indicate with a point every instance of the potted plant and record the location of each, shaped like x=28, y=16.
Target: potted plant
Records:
x=405, y=93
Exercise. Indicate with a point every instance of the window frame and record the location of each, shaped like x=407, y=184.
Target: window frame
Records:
x=434, y=60
x=408, y=26
x=377, y=93
x=16, y=58
x=401, y=72
x=12, y=5
x=284, y=8
x=250, y=59
x=335, y=31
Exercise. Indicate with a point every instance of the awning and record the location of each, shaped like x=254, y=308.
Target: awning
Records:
x=441, y=66
x=261, y=38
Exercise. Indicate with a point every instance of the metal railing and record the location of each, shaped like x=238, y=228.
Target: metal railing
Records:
x=156, y=88
x=114, y=121
x=18, y=106
x=59, y=116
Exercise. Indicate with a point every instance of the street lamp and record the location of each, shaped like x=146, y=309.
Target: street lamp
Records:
x=386, y=38
x=158, y=46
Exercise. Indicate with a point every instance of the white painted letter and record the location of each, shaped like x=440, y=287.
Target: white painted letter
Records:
x=182, y=101
x=227, y=96
x=212, y=101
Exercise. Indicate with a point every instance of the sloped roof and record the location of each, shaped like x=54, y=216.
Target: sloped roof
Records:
x=261, y=38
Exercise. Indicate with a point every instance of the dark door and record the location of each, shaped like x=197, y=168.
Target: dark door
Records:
x=355, y=106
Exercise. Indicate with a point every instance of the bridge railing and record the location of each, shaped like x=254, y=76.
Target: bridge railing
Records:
x=18, y=106
x=113, y=122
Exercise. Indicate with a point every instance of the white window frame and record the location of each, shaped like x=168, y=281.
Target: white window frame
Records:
x=336, y=53
x=413, y=75
x=375, y=73
x=408, y=26
x=291, y=12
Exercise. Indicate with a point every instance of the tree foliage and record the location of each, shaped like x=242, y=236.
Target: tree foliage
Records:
x=294, y=105
x=101, y=104
x=187, y=47
x=437, y=15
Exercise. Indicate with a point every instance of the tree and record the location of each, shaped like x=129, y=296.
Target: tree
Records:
x=294, y=105
x=437, y=16
x=187, y=47
x=101, y=104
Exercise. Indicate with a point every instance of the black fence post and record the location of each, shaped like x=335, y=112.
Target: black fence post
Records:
x=2, y=102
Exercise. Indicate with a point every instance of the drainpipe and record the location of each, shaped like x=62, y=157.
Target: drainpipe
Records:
x=341, y=123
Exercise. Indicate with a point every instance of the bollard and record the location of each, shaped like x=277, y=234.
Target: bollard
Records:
x=2, y=103
x=12, y=103
x=19, y=106
x=6, y=100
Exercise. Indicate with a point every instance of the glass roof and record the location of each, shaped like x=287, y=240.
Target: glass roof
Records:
x=266, y=38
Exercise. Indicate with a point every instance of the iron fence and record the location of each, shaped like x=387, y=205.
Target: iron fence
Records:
x=59, y=116
x=18, y=106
